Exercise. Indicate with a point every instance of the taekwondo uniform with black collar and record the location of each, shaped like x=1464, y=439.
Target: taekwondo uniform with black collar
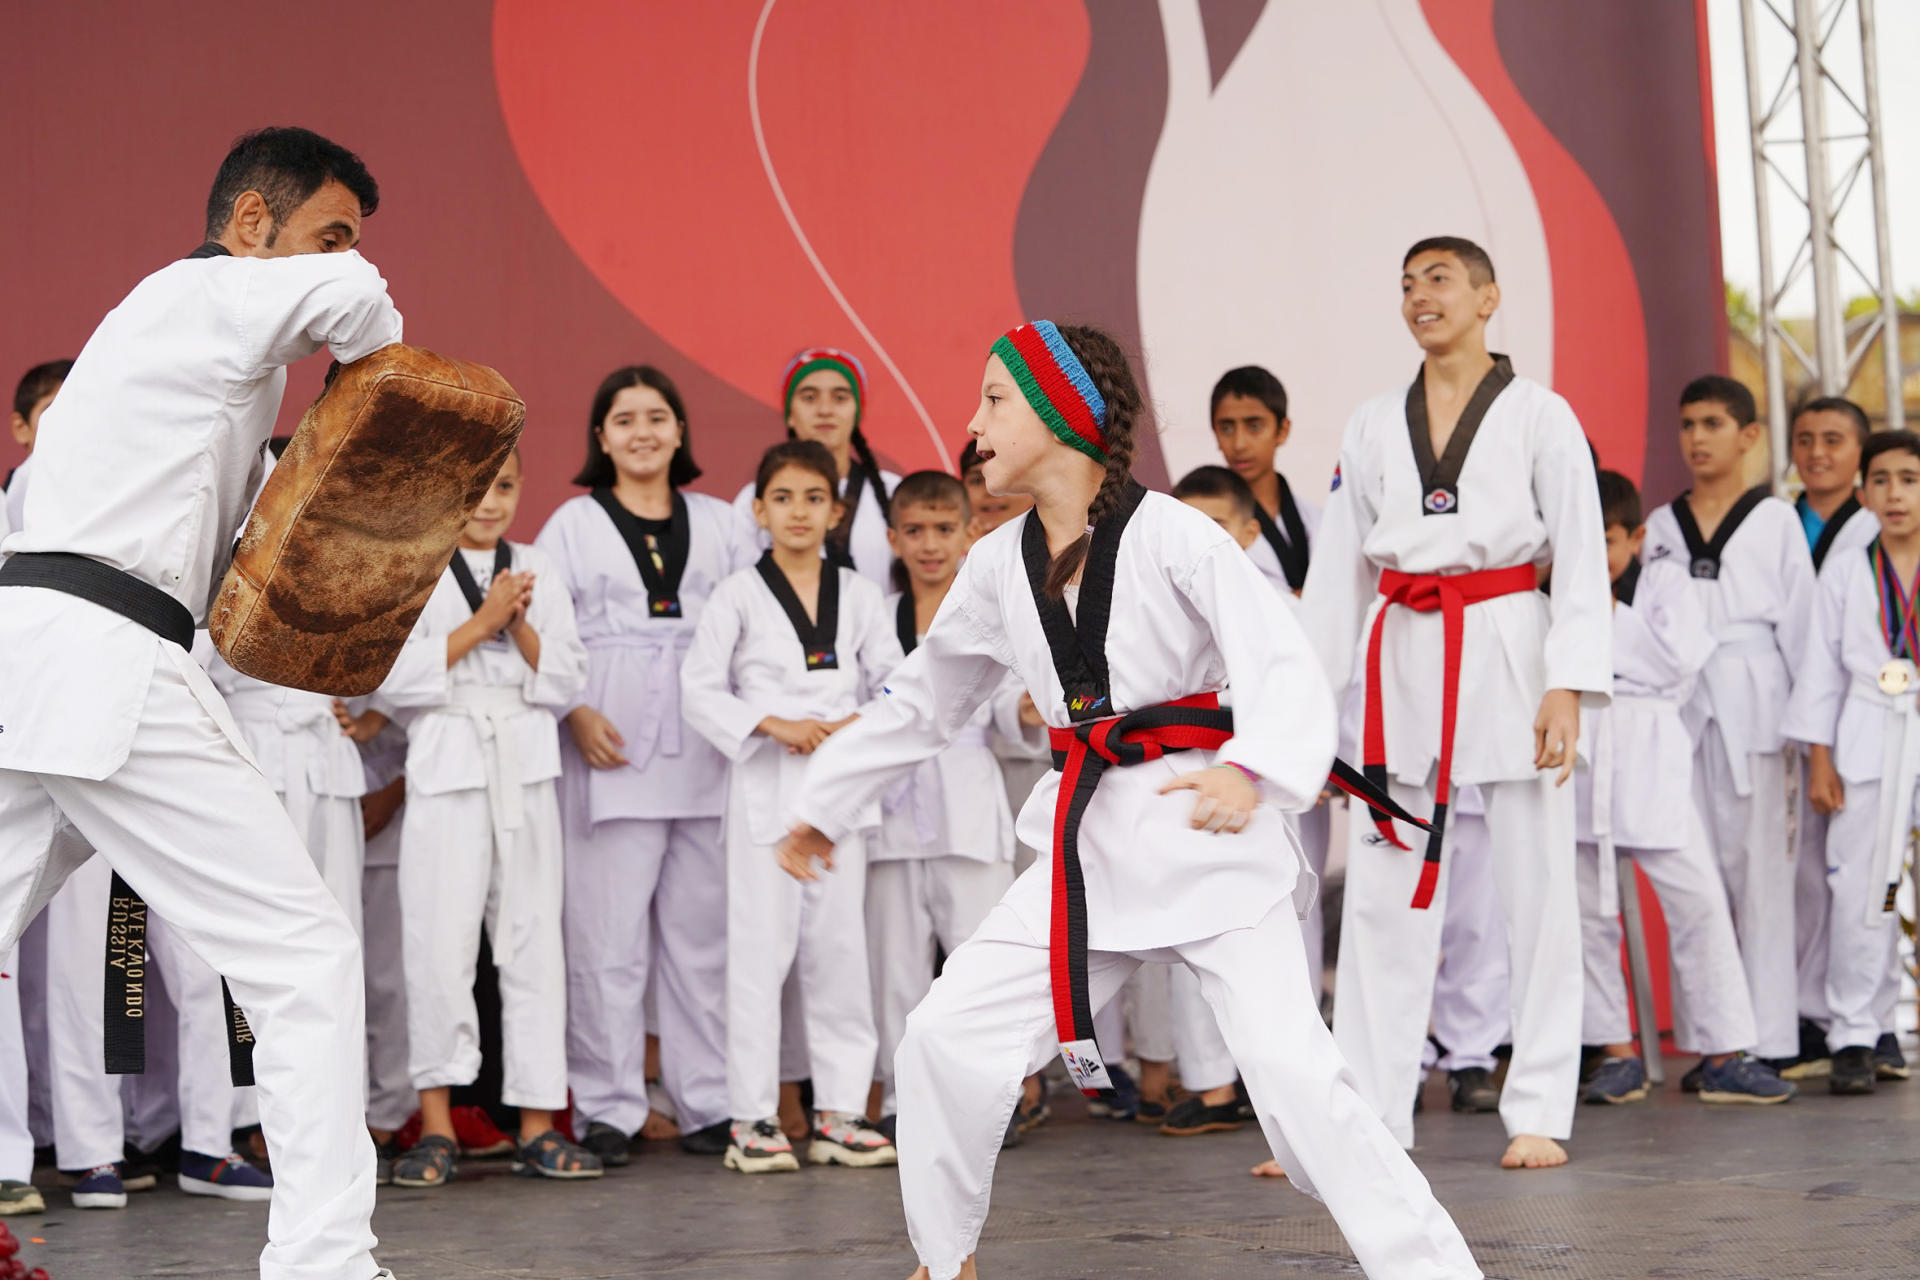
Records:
x=1437, y=556
x=943, y=859
x=1170, y=611
x=1848, y=531
x=142, y=474
x=646, y=900
x=480, y=834
x=390, y=1093
x=867, y=549
x=1858, y=693
x=1635, y=801
x=756, y=654
x=1755, y=578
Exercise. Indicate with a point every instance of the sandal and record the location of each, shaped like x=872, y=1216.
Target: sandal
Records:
x=552, y=1156
x=431, y=1163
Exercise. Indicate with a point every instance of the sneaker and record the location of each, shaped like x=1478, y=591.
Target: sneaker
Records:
x=20, y=1197
x=1473, y=1091
x=1888, y=1062
x=100, y=1188
x=1853, y=1071
x=139, y=1171
x=1617, y=1080
x=1121, y=1102
x=1154, y=1111
x=842, y=1138
x=1032, y=1117
x=1012, y=1137
x=1191, y=1116
x=1690, y=1082
x=1813, y=1059
x=889, y=1125
x=607, y=1142
x=1744, y=1079
x=710, y=1141
x=228, y=1177
x=758, y=1146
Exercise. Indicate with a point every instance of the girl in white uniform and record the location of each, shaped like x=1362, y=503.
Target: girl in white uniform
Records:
x=1166, y=612
x=784, y=656
x=822, y=395
x=477, y=687
x=640, y=792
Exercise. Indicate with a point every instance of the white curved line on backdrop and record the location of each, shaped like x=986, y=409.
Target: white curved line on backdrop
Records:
x=806, y=245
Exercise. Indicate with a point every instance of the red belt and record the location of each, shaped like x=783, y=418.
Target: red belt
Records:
x=1449, y=594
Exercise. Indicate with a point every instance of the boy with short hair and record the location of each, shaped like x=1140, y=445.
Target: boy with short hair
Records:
x=1634, y=801
x=1854, y=704
x=31, y=396
x=1250, y=423
x=1747, y=555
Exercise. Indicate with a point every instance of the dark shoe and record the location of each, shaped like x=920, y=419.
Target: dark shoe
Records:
x=1012, y=1138
x=1744, y=1079
x=139, y=1171
x=1192, y=1116
x=228, y=1177
x=1032, y=1117
x=550, y=1155
x=1243, y=1100
x=1813, y=1058
x=100, y=1188
x=1154, y=1111
x=1853, y=1071
x=888, y=1125
x=384, y=1154
x=1888, y=1062
x=20, y=1197
x=1690, y=1082
x=1118, y=1103
x=1473, y=1091
x=612, y=1146
x=710, y=1141
x=430, y=1164
x=1616, y=1081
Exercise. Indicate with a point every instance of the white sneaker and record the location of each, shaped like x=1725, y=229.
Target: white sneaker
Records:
x=842, y=1138
x=760, y=1147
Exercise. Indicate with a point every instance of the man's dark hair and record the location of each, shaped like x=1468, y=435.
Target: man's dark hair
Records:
x=1839, y=404
x=1217, y=482
x=286, y=166
x=1254, y=383
x=1619, y=502
x=929, y=489
x=1479, y=266
x=1888, y=442
x=37, y=382
x=1718, y=388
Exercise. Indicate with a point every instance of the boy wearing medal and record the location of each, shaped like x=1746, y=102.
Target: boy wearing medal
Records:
x=1857, y=705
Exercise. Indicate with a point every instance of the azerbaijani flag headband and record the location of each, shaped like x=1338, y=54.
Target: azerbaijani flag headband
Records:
x=1056, y=384
x=844, y=363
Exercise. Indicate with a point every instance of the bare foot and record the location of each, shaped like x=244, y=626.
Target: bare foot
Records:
x=657, y=1128
x=1529, y=1151
x=966, y=1272
x=793, y=1119
x=1269, y=1169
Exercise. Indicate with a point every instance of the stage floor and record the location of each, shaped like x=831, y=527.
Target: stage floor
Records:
x=1821, y=1187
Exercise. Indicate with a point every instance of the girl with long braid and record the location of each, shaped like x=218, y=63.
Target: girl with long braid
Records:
x=1125, y=613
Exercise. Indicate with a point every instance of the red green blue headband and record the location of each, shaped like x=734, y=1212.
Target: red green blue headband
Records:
x=844, y=363
x=1056, y=384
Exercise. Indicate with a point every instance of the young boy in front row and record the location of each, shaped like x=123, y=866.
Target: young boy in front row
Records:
x=1634, y=801
x=1747, y=556
x=1857, y=705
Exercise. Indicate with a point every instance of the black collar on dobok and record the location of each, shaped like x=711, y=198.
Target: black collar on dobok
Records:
x=817, y=634
x=1703, y=556
x=475, y=593
x=211, y=249
x=663, y=584
x=839, y=547
x=903, y=623
x=1079, y=645
x=1292, y=548
x=1831, y=530
x=1627, y=583
x=1440, y=477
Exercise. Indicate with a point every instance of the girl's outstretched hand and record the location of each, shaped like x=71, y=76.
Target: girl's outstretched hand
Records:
x=1226, y=800
x=801, y=850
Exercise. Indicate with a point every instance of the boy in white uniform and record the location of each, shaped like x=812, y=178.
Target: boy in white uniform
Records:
x=1748, y=560
x=1447, y=536
x=142, y=475
x=32, y=396
x=1634, y=802
x=1855, y=704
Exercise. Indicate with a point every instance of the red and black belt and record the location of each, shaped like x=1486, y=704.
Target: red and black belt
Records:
x=1083, y=754
x=1448, y=594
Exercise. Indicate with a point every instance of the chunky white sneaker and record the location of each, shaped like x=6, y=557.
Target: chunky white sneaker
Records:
x=758, y=1146
x=840, y=1137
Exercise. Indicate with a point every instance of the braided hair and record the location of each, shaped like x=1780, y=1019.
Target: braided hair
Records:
x=1106, y=363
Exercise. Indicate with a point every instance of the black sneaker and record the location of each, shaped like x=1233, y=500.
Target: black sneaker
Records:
x=1013, y=1136
x=1813, y=1058
x=1888, y=1062
x=1242, y=1100
x=1853, y=1071
x=1191, y=1116
x=1690, y=1082
x=710, y=1141
x=612, y=1146
x=1473, y=1091
x=888, y=1125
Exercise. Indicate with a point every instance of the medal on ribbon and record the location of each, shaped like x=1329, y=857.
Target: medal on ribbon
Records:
x=1899, y=626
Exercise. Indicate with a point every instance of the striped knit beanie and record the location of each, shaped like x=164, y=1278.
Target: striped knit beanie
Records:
x=1056, y=384
x=844, y=363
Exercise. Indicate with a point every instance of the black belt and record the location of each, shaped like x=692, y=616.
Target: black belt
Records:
x=127, y=960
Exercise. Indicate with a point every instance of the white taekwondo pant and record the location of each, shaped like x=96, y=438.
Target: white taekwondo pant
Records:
x=1389, y=955
x=390, y=1093
x=1862, y=964
x=16, y=1141
x=1812, y=901
x=194, y=828
x=646, y=908
x=988, y=1022
x=30, y=960
x=1472, y=1000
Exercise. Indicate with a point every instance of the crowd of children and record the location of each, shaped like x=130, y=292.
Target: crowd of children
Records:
x=583, y=766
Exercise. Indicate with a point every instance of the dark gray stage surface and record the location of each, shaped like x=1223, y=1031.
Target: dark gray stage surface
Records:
x=1669, y=1188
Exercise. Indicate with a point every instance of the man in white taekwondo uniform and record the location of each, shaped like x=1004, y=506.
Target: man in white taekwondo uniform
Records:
x=17, y=1192
x=1449, y=493
x=140, y=484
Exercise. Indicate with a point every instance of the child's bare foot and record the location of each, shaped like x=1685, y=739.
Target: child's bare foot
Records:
x=1269, y=1169
x=793, y=1117
x=966, y=1272
x=1529, y=1151
x=657, y=1128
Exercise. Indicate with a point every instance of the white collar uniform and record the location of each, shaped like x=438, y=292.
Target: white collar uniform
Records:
x=867, y=542
x=634, y=654
x=1188, y=613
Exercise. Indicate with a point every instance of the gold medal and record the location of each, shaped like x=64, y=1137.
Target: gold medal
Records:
x=1896, y=678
